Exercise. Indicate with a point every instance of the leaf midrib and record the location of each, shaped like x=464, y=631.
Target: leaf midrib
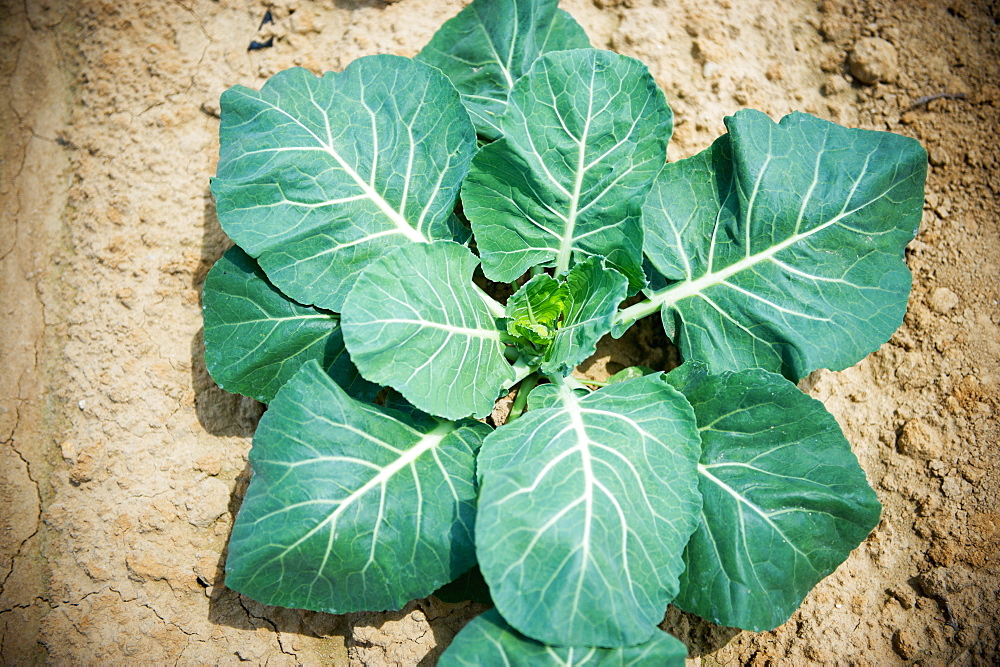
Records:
x=451, y=329
x=689, y=288
x=572, y=407
x=427, y=442
x=567, y=241
x=394, y=216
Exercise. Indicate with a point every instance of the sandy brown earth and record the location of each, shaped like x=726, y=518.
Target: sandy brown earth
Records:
x=122, y=465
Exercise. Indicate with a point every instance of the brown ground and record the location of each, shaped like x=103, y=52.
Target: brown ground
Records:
x=121, y=464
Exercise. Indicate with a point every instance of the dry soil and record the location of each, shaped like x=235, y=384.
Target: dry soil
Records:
x=122, y=465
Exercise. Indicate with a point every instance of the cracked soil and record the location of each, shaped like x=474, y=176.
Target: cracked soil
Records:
x=122, y=465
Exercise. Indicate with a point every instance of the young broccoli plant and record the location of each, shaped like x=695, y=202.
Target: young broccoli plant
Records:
x=367, y=207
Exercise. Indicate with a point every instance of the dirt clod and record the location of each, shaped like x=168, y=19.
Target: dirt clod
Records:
x=904, y=595
x=874, y=60
x=920, y=440
x=940, y=582
x=904, y=643
x=943, y=301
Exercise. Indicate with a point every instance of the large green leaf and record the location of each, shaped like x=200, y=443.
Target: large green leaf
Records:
x=416, y=322
x=584, y=510
x=488, y=640
x=352, y=507
x=785, y=500
x=256, y=337
x=490, y=44
x=595, y=292
x=585, y=134
x=319, y=176
x=786, y=241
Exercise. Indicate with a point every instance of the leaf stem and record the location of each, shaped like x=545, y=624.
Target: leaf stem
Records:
x=521, y=400
x=522, y=369
x=496, y=308
x=629, y=316
x=573, y=383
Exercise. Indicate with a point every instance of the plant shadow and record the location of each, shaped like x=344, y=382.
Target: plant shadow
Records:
x=229, y=608
x=228, y=415
x=219, y=412
x=700, y=636
x=371, y=632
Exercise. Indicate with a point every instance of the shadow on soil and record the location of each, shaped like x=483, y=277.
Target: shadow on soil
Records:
x=445, y=620
x=219, y=412
x=229, y=608
x=223, y=414
x=700, y=636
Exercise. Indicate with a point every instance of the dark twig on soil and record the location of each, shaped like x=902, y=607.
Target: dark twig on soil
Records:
x=257, y=46
x=949, y=617
x=922, y=101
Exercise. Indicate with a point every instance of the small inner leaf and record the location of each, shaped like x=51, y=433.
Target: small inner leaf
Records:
x=594, y=291
x=536, y=310
x=559, y=322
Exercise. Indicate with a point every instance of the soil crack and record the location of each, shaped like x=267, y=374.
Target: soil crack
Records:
x=38, y=498
x=271, y=624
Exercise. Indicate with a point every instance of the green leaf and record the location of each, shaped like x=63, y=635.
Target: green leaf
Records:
x=584, y=136
x=535, y=310
x=786, y=241
x=490, y=44
x=416, y=322
x=785, y=500
x=256, y=337
x=320, y=176
x=584, y=511
x=488, y=640
x=630, y=373
x=550, y=396
x=595, y=292
x=352, y=507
